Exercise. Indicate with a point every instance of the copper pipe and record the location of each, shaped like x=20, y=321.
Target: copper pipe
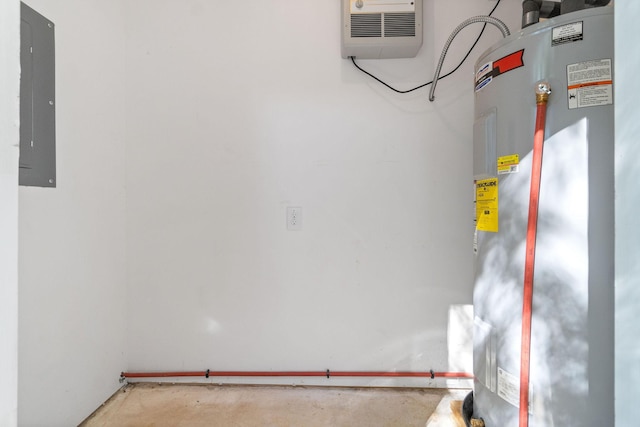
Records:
x=327, y=373
x=542, y=96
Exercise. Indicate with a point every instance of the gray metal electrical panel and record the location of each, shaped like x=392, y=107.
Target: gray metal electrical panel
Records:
x=37, y=100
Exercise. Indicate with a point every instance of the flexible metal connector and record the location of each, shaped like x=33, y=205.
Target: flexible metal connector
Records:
x=487, y=19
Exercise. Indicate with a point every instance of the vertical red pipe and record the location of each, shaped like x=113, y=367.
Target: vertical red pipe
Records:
x=542, y=96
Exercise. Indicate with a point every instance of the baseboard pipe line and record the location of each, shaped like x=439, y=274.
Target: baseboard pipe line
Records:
x=326, y=373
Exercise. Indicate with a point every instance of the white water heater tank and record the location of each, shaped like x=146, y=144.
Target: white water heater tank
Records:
x=572, y=328
x=378, y=29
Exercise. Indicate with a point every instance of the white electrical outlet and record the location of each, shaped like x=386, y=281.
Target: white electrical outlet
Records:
x=294, y=218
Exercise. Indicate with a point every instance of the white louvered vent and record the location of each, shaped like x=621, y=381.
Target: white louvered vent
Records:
x=399, y=24
x=375, y=29
x=366, y=25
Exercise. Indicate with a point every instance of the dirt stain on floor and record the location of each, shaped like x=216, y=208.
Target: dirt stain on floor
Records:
x=157, y=405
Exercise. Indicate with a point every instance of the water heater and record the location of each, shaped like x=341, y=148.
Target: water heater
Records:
x=572, y=325
x=377, y=29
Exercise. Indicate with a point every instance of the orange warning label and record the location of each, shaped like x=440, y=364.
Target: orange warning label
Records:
x=605, y=82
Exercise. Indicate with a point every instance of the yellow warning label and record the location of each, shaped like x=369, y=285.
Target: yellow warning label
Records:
x=487, y=205
x=508, y=164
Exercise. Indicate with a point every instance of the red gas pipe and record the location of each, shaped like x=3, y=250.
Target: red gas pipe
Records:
x=327, y=373
x=542, y=96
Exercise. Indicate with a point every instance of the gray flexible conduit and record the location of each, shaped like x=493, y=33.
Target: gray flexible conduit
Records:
x=487, y=19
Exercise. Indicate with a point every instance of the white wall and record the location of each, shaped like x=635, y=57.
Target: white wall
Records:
x=237, y=110
x=230, y=121
x=627, y=208
x=72, y=239
x=9, y=125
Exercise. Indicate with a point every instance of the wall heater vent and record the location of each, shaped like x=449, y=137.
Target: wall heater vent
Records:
x=399, y=24
x=369, y=25
x=376, y=29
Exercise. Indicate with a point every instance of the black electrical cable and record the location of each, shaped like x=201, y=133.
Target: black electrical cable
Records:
x=353, y=59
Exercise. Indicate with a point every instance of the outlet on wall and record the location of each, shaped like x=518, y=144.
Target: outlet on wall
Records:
x=294, y=218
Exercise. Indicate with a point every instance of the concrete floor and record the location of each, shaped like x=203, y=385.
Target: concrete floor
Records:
x=158, y=405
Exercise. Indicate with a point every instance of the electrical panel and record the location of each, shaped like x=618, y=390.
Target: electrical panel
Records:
x=37, y=100
x=378, y=29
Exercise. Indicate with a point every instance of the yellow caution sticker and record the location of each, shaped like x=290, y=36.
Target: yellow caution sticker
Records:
x=508, y=164
x=487, y=205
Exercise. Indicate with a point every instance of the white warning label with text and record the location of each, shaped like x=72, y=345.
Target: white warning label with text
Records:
x=590, y=83
x=567, y=34
x=509, y=388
